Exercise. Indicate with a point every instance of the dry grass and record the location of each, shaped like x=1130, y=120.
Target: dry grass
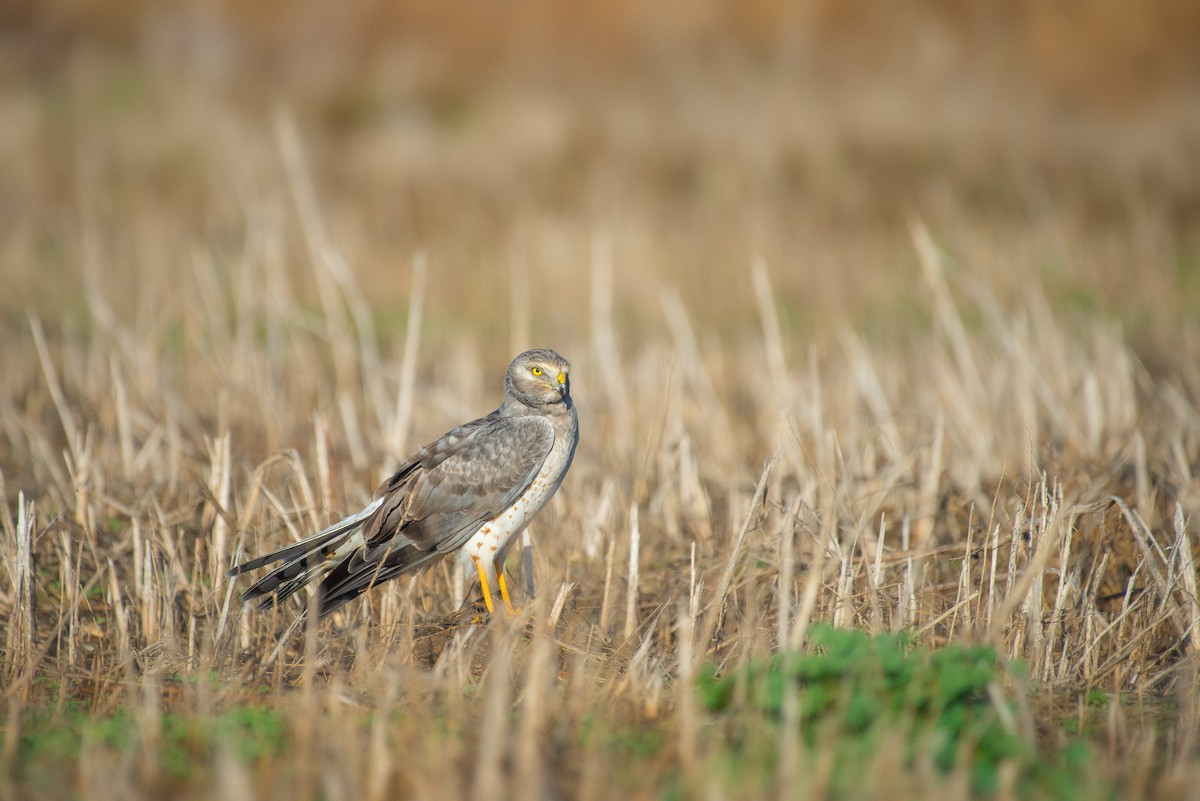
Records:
x=850, y=363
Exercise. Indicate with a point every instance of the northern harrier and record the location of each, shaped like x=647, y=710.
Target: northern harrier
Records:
x=471, y=492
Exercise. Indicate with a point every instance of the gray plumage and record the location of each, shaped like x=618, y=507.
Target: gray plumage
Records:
x=471, y=492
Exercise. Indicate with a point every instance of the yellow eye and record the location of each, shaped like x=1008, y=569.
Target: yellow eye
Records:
x=536, y=371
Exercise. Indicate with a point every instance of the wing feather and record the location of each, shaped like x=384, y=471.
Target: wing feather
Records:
x=436, y=501
x=449, y=489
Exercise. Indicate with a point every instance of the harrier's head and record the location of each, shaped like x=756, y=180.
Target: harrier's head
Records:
x=538, y=378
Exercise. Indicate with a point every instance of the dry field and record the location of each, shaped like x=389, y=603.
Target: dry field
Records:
x=912, y=349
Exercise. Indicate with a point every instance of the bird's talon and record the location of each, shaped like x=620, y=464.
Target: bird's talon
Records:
x=485, y=589
x=513, y=611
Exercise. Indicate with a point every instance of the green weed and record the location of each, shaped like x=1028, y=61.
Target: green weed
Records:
x=51, y=744
x=951, y=705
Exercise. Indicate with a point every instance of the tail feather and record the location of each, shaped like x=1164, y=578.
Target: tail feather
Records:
x=304, y=560
x=305, y=546
x=287, y=579
x=275, y=589
x=352, y=577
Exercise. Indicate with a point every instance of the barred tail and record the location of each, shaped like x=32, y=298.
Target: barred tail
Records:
x=305, y=560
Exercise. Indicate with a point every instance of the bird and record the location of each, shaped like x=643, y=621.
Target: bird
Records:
x=470, y=492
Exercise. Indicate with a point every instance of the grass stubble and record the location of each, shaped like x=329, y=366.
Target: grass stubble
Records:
x=988, y=465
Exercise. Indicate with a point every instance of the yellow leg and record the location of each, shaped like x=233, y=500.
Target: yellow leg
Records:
x=487, y=591
x=512, y=610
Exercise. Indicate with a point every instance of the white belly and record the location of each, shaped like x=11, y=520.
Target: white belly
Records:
x=490, y=541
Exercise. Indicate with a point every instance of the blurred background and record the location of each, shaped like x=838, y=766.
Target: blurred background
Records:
x=686, y=138
x=942, y=255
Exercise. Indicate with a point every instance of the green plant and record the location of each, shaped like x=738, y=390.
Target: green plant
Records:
x=49, y=743
x=852, y=688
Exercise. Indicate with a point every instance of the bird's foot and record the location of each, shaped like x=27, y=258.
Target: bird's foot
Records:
x=513, y=611
x=486, y=589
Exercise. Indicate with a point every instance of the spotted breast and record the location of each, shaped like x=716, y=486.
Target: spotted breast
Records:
x=486, y=548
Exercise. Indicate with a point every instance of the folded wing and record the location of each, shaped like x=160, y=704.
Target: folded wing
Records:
x=433, y=504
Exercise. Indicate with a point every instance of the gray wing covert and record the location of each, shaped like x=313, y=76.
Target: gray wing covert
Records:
x=442, y=499
x=391, y=516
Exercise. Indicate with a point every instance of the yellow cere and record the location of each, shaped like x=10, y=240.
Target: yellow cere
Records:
x=562, y=378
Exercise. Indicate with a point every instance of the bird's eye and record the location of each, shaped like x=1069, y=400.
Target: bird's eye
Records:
x=536, y=371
